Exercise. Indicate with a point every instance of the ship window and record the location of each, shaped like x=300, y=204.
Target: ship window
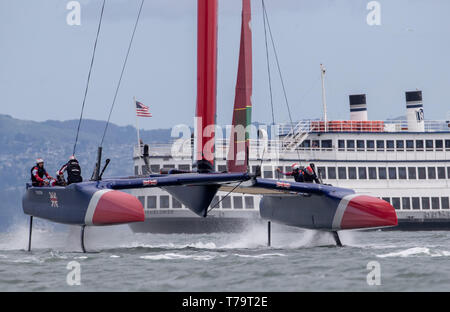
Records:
x=360, y=144
x=400, y=145
x=169, y=166
x=409, y=145
x=406, y=203
x=221, y=168
x=435, y=203
x=422, y=173
x=441, y=172
x=425, y=203
x=185, y=167
x=154, y=168
x=382, y=175
x=341, y=145
x=445, y=203
x=396, y=202
x=350, y=145
x=372, y=173
x=447, y=144
x=448, y=172
x=215, y=203
x=268, y=172
x=322, y=172
x=249, y=202
x=362, y=173
x=412, y=173
x=370, y=145
x=431, y=173
x=342, y=173
x=315, y=144
x=429, y=145
x=151, y=202
x=332, y=173
x=226, y=202
x=136, y=170
x=306, y=144
x=402, y=173
x=390, y=145
x=278, y=174
x=419, y=145
x=142, y=200
x=288, y=169
x=144, y=170
x=387, y=199
x=237, y=202
x=415, y=203
x=380, y=145
x=164, y=201
x=439, y=144
x=392, y=173
x=352, y=173
x=327, y=144
x=177, y=204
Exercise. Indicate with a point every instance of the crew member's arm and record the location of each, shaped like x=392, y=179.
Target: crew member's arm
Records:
x=285, y=173
x=63, y=168
x=49, y=177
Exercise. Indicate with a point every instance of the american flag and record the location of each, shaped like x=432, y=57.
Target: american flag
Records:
x=142, y=110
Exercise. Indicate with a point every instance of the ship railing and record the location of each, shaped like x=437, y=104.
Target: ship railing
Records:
x=289, y=130
x=292, y=139
x=274, y=150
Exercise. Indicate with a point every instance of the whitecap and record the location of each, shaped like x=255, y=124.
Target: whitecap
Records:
x=408, y=252
x=268, y=255
x=176, y=256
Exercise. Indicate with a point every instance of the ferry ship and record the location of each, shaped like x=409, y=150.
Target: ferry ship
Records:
x=405, y=162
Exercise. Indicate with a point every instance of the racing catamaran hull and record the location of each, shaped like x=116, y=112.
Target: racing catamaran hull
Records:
x=82, y=204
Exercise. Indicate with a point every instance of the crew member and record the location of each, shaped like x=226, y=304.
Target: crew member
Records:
x=302, y=174
x=309, y=175
x=39, y=176
x=73, y=171
x=296, y=172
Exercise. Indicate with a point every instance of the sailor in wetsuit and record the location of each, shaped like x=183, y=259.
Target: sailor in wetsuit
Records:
x=301, y=174
x=73, y=171
x=39, y=176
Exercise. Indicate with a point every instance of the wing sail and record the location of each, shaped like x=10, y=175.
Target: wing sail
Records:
x=239, y=136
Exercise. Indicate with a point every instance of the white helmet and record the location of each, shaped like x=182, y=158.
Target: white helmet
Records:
x=39, y=160
x=295, y=166
x=72, y=157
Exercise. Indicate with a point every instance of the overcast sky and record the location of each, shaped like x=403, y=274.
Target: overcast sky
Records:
x=44, y=62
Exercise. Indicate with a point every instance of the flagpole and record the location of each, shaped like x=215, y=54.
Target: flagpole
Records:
x=137, y=126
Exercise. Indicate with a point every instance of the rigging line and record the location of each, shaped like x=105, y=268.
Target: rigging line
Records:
x=121, y=74
x=279, y=72
x=268, y=64
x=89, y=77
x=237, y=185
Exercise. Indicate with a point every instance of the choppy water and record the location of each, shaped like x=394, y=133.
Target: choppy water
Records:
x=122, y=261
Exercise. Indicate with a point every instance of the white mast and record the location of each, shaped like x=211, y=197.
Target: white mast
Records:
x=324, y=100
x=137, y=126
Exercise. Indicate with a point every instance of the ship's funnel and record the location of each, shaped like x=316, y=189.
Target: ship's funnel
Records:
x=414, y=111
x=358, y=107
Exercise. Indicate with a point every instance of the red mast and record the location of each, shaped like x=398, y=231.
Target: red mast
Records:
x=239, y=138
x=206, y=84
